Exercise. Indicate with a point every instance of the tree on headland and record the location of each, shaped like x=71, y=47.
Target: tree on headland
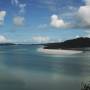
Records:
x=85, y=86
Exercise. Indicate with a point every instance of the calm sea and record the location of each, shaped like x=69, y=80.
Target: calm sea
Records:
x=22, y=67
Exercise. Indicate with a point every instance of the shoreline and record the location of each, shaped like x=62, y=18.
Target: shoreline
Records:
x=59, y=51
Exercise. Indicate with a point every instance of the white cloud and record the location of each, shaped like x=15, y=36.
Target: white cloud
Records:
x=19, y=20
x=87, y=33
x=2, y=17
x=57, y=22
x=84, y=13
x=72, y=8
x=77, y=36
x=22, y=8
x=87, y=2
x=41, y=39
x=55, y=40
x=45, y=39
x=16, y=2
x=49, y=4
x=3, y=39
x=41, y=26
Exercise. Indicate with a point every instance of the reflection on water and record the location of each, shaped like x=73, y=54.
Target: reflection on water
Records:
x=23, y=68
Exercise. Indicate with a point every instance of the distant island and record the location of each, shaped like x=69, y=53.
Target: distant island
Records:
x=6, y=44
x=73, y=44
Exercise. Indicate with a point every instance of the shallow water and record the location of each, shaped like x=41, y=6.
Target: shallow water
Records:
x=22, y=67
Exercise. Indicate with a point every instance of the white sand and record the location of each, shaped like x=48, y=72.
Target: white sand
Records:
x=58, y=51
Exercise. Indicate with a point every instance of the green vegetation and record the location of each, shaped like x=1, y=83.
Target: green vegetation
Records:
x=74, y=44
x=85, y=86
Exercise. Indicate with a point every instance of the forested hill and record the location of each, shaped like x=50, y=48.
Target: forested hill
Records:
x=82, y=42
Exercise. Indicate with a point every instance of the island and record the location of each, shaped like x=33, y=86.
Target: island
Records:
x=72, y=46
x=6, y=44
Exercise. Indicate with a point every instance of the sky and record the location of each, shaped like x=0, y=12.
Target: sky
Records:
x=42, y=21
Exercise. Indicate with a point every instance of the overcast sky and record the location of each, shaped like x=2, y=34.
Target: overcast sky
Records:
x=40, y=21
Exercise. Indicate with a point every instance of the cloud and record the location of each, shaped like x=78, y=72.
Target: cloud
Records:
x=41, y=39
x=87, y=33
x=57, y=22
x=41, y=26
x=45, y=39
x=2, y=17
x=22, y=8
x=49, y=4
x=14, y=2
x=87, y=2
x=77, y=36
x=18, y=20
x=3, y=39
x=84, y=14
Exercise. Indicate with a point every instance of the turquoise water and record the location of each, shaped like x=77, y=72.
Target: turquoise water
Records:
x=22, y=67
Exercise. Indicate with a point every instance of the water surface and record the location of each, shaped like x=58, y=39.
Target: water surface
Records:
x=22, y=67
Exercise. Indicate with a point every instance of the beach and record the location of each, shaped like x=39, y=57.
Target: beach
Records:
x=58, y=51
